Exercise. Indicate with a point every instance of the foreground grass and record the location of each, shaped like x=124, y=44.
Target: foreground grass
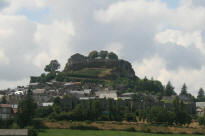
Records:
x=67, y=132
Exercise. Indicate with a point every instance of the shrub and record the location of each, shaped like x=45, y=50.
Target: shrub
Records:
x=5, y=123
x=201, y=121
x=32, y=132
x=103, y=118
x=145, y=129
x=130, y=117
x=130, y=129
x=38, y=124
x=198, y=133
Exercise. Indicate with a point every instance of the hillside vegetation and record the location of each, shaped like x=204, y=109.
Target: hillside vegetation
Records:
x=103, y=68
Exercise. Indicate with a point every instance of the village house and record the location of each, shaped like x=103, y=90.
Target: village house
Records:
x=47, y=104
x=185, y=98
x=77, y=94
x=87, y=98
x=6, y=111
x=39, y=92
x=200, y=108
x=168, y=99
x=107, y=94
x=126, y=96
x=1, y=96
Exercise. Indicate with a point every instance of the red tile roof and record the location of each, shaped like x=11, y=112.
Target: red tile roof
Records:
x=5, y=106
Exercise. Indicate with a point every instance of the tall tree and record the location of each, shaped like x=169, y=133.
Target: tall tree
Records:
x=53, y=66
x=184, y=90
x=103, y=54
x=95, y=109
x=26, y=110
x=200, y=93
x=4, y=101
x=93, y=54
x=169, y=89
x=112, y=56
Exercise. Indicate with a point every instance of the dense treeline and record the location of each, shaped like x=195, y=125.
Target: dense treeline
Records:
x=158, y=114
x=72, y=109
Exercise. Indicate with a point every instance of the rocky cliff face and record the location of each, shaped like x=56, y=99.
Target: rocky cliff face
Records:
x=119, y=67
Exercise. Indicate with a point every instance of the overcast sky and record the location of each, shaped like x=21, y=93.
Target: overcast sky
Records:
x=164, y=39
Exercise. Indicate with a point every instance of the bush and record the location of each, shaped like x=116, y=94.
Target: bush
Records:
x=145, y=129
x=131, y=129
x=198, y=133
x=183, y=118
x=81, y=127
x=201, y=121
x=5, y=124
x=61, y=116
x=130, y=117
x=15, y=126
x=38, y=124
x=42, y=112
x=103, y=118
x=32, y=132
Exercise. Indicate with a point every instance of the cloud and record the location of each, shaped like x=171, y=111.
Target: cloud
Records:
x=53, y=41
x=163, y=42
x=115, y=47
x=3, y=4
x=144, y=12
x=13, y=84
x=156, y=67
x=195, y=2
x=3, y=58
x=180, y=38
x=132, y=10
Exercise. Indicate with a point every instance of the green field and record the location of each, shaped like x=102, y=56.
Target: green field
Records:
x=67, y=132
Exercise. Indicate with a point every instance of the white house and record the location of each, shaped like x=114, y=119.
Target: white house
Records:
x=107, y=94
x=46, y=104
x=33, y=84
x=87, y=91
x=19, y=93
x=200, y=108
x=39, y=91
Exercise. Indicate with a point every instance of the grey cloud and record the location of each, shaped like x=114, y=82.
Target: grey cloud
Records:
x=198, y=2
x=137, y=38
x=180, y=57
x=3, y=4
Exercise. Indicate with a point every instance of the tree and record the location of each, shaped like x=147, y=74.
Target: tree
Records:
x=26, y=110
x=95, y=109
x=169, y=89
x=103, y=54
x=184, y=90
x=57, y=105
x=200, y=93
x=93, y=54
x=113, y=56
x=201, y=120
x=4, y=101
x=160, y=115
x=53, y=66
x=181, y=117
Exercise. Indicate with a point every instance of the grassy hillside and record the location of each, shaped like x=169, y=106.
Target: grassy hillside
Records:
x=67, y=132
x=92, y=72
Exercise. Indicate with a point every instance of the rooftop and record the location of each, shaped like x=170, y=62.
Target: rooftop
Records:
x=5, y=105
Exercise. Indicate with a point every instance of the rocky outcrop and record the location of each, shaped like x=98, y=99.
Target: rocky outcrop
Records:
x=119, y=67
